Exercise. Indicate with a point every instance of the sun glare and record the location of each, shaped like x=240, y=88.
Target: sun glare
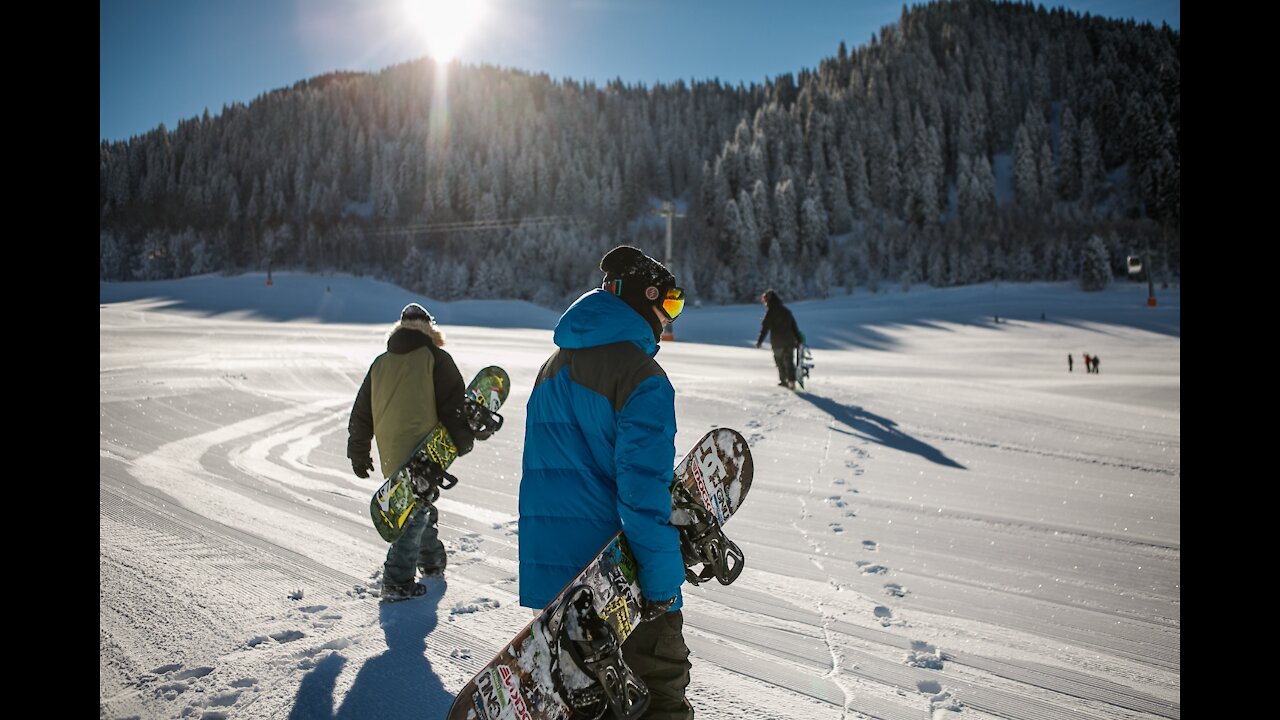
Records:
x=443, y=24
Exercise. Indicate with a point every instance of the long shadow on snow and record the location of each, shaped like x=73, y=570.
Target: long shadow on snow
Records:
x=878, y=429
x=399, y=683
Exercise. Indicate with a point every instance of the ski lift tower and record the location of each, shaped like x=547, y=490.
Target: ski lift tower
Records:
x=667, y=211
x=1135, y=268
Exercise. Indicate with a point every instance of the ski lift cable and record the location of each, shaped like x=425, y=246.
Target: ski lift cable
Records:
x=481, y=225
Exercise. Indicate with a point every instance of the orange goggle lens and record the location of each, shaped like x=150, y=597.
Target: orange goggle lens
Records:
x=673, y=302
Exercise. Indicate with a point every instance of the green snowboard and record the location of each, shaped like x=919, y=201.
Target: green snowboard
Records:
x=394, y=503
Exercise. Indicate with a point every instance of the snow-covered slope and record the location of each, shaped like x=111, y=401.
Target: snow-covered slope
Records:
x=947, y=524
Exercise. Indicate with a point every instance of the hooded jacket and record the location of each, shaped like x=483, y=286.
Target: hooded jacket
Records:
x=779, y=324
x=598, y=452
x=408, y=389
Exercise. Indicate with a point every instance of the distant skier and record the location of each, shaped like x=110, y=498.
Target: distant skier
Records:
x=1088, y=364
x=599, y=438
x=784, y=336
x=1070, y=362
x=1095, y=364
x=408, y=389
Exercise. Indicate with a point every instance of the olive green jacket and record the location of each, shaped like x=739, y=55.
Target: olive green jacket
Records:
x=408, y=389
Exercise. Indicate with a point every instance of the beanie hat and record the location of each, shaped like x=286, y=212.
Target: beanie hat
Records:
x=414, y=311
x=639, y=280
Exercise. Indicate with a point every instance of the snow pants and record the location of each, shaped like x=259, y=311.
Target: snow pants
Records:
x=418, y=547
x=785, y=359
x=656, y=652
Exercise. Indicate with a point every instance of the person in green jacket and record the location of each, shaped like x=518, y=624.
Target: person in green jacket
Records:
x=408, y=389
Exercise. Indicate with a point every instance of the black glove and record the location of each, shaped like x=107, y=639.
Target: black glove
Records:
x=654, y=609
x=361, y=465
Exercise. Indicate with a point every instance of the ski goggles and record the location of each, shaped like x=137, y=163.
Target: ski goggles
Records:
x=673, y=302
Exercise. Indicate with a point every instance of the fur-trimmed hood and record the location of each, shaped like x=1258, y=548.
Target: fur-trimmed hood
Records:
x=426, y=327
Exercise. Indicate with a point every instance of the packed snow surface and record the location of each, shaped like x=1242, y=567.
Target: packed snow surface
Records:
x=945, y=524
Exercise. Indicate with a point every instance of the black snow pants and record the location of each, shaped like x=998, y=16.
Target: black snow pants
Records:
x=785, y=359
x=656, y=652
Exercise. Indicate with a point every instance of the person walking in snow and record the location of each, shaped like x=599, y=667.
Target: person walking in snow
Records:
x=1095, y=364
x=407, y=390
x=1088, y=366
x=784, y=336
x=1070, y=363
x=599, y=444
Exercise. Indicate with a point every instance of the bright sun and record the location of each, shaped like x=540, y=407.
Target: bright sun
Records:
x=444, y=24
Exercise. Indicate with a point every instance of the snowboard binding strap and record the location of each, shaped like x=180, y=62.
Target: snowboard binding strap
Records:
x=428, y=479
x=482, y=421
x=593, y=647
x=702, y=542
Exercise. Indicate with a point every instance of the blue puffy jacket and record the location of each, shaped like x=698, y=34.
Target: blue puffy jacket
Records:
x=598, y=451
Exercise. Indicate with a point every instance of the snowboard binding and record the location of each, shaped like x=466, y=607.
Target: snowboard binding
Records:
x=702, y=542
x=482, y=421
x=428, y=479
x=576, y=629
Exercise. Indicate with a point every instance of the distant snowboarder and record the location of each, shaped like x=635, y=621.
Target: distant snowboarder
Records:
x=784, y=336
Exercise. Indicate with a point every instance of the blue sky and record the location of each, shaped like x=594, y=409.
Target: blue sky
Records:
x=161, y=61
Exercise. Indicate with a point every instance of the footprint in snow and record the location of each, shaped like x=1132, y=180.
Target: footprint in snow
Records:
x=874, y=570
x=836, y=501
x=312, y=608
x=924, y=655
x=754, y=438
x=836, y=527
x=166, y=669
x=871, y=545
x=475, y=606
x=942, y=703
x=225, y=699
x=753, y=423
x=895, y=590
x=244, y=682
x=287, y=636
x=470, y=542
x=461, y=654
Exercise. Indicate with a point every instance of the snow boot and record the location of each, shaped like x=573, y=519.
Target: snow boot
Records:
x=395, y=592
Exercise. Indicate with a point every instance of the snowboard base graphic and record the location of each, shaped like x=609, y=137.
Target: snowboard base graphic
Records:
x=541, y=674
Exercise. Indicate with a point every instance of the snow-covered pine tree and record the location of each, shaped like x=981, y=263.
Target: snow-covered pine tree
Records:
x=1095, y=265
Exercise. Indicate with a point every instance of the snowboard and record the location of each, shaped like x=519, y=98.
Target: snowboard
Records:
x=544, y=674
x=803, y=363
x=424, y=470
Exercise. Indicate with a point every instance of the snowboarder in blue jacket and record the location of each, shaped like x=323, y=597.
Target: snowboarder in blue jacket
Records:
x=599, y=446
